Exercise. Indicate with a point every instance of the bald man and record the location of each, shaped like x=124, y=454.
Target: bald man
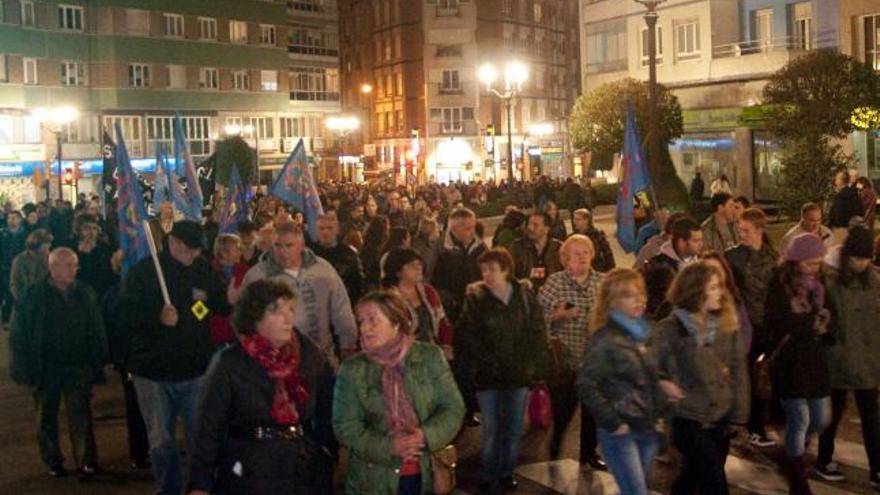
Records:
x=59, y=348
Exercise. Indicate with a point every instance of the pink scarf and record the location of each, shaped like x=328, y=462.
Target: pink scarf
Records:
x=399, y=412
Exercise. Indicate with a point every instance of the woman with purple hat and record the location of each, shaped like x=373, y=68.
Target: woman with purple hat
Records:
x=796, y=321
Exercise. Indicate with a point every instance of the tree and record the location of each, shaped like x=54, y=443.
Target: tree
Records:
x=597, y=124
x=812, y=100
x=234, y=151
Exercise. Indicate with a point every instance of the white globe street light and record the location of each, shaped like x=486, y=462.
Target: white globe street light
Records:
x=515, y=74
x=343, y=125
x=55, y=120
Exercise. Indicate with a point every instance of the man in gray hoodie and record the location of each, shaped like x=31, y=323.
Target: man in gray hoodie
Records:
x=322, y=307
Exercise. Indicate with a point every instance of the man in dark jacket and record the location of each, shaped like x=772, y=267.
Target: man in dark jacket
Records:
x=845, y=204
x=171, y=343
x=682, y=249
x=12, y=240
x=343, y=257
x=697, y=188
x=536, y=256
x=59, y=347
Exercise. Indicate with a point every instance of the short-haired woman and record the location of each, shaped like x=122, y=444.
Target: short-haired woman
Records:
x=618, y=385
x=702, y=367
x=231, y=269
x=263, y=426
x=395, y=403
x=502, y=348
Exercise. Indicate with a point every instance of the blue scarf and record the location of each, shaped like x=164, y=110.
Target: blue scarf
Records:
x=637, y=328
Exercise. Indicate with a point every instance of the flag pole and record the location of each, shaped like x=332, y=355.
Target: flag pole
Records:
x=155, y=255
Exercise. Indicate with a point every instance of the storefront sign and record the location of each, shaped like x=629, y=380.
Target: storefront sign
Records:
x=86, y=167
x=22, y=152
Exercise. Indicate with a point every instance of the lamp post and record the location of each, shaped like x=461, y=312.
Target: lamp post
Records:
x=653, y=130
x=366, y=117
x=343, y=126
x=515, y=74
x=56, y=120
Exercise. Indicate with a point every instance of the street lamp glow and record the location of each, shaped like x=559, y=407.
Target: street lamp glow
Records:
x=248, y=130
x=487, y=74
x=366, y=88
x=57, y=116
x=233, y=130
x=342, y=124
x=515, y=74
x=541, y=129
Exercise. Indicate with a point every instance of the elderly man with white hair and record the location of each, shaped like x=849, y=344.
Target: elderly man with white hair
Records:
x=59, y=348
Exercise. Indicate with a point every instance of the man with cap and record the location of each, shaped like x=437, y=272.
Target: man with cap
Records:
x=171, y=343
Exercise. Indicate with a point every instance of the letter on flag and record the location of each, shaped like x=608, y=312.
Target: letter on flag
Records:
x=296, y=186
x=234, y=205
x=183, y=156
x=634, y=178
x=130, y=209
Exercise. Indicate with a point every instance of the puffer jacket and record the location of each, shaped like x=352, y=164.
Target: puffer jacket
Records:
x=359, y=417
x=501, y=346
x=752, y=270
x=854, y=357
x=714, y=377
x=617, y=382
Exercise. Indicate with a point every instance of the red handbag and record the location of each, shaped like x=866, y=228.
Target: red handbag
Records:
x=540, y=409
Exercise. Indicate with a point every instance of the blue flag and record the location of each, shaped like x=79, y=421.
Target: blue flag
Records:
x=182, y=155
x=161, y=186
x=235, y=204
x=296, y=186
x=634, y=178
x=130, y=209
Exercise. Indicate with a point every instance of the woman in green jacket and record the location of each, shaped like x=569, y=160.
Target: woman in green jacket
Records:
x=394, y=404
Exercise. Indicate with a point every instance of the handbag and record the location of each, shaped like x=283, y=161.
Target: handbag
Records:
x=763, y=384
x=540, y=408
x=443, y=469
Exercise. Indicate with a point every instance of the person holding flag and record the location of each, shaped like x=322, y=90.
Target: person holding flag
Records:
x=235, y=204
x=296, y=185
x=634, y=178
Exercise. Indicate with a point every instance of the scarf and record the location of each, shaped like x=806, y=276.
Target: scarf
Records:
x=282, y=366
x=399, y=412
x=637, y=328
x=806, y=286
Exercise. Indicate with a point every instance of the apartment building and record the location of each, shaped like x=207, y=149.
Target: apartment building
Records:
x=427, y=111
x=716, y=56
x=223, y=65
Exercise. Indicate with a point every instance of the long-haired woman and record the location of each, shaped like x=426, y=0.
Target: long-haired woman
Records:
x=375, y=237
x=616, y=382
x=701, y=363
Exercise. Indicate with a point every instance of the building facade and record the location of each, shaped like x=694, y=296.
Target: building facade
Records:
x=428, y=112
x=221, y=65
x=716, y=56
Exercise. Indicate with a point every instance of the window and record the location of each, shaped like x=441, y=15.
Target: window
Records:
x=173, y=26
x=507, y=7
x=802, y=14
x=388, y=48
x=397, y=48
x=4, y=70
x=871, y=40
x=308, y=5
x=606, y=46
x=538, y=12
x=207, y=28
x=70, y=17
x=28, y=18
x=658, y=37
x=131, y=132
x=450, y=81
x=177, y=77
x=451, y=120
x=314, y=42
x=400, y=84
x=160, y=130
x=241, y=81
x=137, y=22
x=448, y=51
x=264, y=126
x=268, y=80
x=238, y=32
x=209, y=78
x=73, y=73
x=30, y=70
x=267, y=35
x=687, y=40
x=314, y=84
x=399, y=118
x=763, y=34
x=138, y=75
x=82, y=130
x=389, y=86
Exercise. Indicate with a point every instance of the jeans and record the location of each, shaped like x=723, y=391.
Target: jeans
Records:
x=704, y=451
x=802, y=417
x=629, y=458
x=866, y=401
x=138, y=444
x=161, y=403
x=410, y=485
x=502, y=414
x=564, y=399
x=77, y=402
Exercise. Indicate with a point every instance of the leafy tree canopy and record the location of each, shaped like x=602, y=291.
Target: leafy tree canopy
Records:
x=233, y=151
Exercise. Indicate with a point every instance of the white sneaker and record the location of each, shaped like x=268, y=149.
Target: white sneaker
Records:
x=830, y=472
x=760, y=441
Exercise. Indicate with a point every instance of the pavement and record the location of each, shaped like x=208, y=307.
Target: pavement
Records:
x=749, y=470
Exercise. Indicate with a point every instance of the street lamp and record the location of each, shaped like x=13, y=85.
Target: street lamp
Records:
x=343, y=125
x=515, y=74
x=56, y=120
x=653, y=133
x=249, y=131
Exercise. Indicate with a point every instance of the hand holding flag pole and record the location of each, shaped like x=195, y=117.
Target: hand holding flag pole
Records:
x=154, y=253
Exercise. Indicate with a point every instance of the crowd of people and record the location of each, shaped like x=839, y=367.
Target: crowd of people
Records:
x=399, y=323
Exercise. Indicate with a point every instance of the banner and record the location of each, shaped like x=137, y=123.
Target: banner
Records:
x=296, y=185
x=634, y=178
x=130, y=209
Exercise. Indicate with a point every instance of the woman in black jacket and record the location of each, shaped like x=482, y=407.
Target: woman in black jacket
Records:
x=264, y=422
x=618, y=385
x=797, y=319
x=502, y=349
x=374, y=239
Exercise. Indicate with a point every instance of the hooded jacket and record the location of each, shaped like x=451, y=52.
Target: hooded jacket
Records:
x=322, y=308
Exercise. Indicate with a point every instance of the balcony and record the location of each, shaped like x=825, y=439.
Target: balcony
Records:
x=319, y=51
x=313, y=96
x=779, y=44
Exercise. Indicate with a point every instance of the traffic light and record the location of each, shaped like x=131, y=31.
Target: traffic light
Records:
x=415, y=133
x=68, y=176
x=490, y=130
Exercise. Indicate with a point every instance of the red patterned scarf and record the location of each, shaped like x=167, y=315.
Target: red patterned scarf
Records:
x=282, y=365
x=399, y=412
